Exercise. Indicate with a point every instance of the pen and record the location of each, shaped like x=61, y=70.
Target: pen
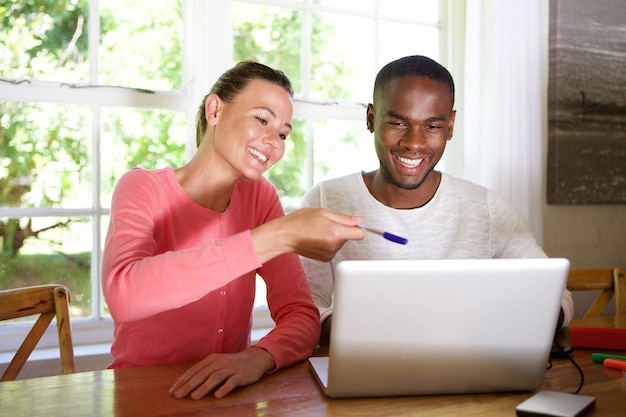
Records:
x=389, y=236
x=600, y=357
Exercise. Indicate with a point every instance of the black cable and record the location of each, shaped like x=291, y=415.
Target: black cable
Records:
x=580, y=371
x=560, y=352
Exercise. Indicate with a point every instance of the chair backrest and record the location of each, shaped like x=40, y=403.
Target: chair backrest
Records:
x=611, y=281
x=48, y=301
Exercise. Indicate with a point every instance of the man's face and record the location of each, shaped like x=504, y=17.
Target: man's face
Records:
x=412, y=120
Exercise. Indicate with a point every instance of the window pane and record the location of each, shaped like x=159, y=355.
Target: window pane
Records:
x=53, y=251
x=342, y=147
x=271, y=35
x=416, y=40
x=363, y=6
x=289, y=174
x=45, y=155
x=139, y=137
x=104, y=227
x=141, y=44
x=44, y=39
x=342, y=57
x=260, y=300
x=425, y=11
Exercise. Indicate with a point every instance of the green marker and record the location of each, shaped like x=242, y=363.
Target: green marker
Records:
x=600, y=357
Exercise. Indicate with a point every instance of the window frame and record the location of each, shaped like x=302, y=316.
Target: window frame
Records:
x=207, y=28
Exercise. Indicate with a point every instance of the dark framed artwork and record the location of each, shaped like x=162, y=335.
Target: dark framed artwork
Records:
x=587, y=102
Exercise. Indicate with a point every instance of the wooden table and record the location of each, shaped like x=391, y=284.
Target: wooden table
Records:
x=289, y=392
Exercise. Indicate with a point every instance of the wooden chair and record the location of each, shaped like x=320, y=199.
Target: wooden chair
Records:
x=611, y=281
x=48, y=301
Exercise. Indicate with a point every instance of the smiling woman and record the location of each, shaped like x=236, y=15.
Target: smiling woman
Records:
x=189, y=242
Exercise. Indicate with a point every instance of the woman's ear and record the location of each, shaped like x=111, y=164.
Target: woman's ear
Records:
x=212, y=108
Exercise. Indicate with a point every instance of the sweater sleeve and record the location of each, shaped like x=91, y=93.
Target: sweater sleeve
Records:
x=139, y=282
x=513, y=238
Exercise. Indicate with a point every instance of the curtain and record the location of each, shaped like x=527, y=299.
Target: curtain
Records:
x=503, y=143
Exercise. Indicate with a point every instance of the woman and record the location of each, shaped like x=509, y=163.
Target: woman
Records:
x=184, y=246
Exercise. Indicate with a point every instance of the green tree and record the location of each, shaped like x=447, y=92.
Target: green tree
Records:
x=32, y=45
x=45, y=148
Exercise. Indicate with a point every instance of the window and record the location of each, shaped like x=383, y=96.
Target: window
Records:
x=75, y=113
x=89, y=89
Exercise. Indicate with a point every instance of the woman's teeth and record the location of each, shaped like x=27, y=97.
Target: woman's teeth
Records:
x=258, y=154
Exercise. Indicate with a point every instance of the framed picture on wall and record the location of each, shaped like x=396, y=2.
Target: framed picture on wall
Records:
x=587, y=102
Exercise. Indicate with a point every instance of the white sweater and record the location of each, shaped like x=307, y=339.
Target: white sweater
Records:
x=462, y=221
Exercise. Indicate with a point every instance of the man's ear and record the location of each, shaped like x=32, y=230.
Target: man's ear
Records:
x=369, y=117
x=451, y=125
x=212, y=108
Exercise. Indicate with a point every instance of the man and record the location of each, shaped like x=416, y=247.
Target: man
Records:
x=443, y=217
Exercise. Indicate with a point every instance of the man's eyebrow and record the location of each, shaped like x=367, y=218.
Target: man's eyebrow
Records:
x=395, y=115
x=432, y=119
x=437, y=119
x=270, y=111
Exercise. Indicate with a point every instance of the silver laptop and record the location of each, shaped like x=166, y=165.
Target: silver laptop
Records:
x=423, y=327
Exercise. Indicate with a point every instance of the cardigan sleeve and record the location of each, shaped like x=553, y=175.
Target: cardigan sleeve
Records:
x=297, y=329
x=138, y=282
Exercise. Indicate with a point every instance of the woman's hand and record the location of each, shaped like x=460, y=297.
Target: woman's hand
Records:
x=222, y=373
x=316, y=233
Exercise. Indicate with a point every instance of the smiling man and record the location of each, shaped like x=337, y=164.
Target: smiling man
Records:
x=443, y=217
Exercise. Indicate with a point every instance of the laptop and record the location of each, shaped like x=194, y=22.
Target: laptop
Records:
x=426, y=327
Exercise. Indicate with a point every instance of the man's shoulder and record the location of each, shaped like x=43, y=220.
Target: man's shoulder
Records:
x=461, y=184
x=340, y=184
x=337, y=185
x=332, y=193
x=473, y=193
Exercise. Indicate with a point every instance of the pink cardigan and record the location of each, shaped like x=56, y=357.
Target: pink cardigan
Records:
x=179, y=279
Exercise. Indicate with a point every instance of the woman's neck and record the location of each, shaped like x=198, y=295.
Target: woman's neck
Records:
x=206, y=183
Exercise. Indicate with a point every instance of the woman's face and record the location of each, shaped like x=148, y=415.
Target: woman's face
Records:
x=250, y=131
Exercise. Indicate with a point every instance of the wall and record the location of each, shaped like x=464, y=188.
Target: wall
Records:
x=588, y=235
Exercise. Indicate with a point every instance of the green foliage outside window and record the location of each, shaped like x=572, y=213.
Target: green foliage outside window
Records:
x=46, y=149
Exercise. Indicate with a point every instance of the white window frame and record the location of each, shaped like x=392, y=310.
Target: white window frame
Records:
x=208, y=29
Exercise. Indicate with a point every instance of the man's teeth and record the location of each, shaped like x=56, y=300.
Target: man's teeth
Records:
x=411, y=163
x=258, y=154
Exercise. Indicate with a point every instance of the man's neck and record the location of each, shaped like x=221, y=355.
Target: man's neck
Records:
x=396, y=197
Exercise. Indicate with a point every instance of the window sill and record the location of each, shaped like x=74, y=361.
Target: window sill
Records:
x=45, y=361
